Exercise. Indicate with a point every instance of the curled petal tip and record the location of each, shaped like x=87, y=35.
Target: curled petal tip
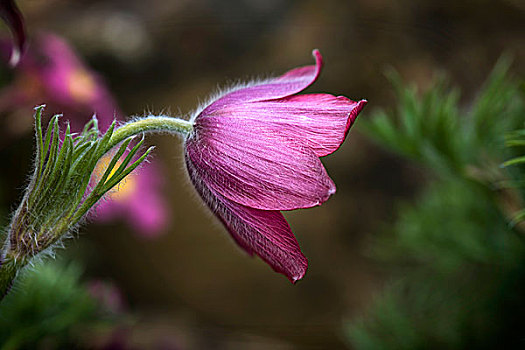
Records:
x=354, y=113
x=317, y=55
x=318, y=61
x=360, y=105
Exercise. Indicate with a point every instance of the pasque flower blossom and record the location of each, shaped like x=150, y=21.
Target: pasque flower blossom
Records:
x=254, y=151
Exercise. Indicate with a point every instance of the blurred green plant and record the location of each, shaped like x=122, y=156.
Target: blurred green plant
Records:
x=516, y=139
x=49, y=308
x=457, y=256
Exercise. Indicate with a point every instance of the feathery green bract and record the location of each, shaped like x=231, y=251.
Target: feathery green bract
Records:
x=63, y=188
x=457, y=256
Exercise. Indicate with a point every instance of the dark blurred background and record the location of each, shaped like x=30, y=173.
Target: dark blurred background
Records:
x=192, y=287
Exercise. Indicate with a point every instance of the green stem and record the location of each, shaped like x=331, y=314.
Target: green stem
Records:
x=149, y=124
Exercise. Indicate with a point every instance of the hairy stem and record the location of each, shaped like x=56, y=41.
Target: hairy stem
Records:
x=149, y=124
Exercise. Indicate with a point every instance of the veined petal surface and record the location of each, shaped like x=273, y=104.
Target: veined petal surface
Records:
x=320, y=121
x=250, y=162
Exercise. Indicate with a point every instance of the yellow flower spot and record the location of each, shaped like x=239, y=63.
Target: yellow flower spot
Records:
x=81, y=85
x=125, y=189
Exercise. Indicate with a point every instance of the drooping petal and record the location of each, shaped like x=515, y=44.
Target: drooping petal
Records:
x=251, y=163
x=292, y=82
x=262, y=232
x=10, y=13
x=320, y=121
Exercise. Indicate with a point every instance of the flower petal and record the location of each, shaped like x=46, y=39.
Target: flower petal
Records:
x=10, y=13
x=265, y=233
x=292, y=82
x=251, y=163
x=320, y=121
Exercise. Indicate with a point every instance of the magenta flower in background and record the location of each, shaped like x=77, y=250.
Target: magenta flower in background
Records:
x=255, y=151
x=52, y=73
x=12, y=16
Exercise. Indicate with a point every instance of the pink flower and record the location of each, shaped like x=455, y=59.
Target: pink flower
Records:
x=52, y=73
x=255, y=151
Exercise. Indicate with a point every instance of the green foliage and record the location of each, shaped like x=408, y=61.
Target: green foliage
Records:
x=457, y=262
x=430, y=127
x=47, y=306
x=422, y=128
